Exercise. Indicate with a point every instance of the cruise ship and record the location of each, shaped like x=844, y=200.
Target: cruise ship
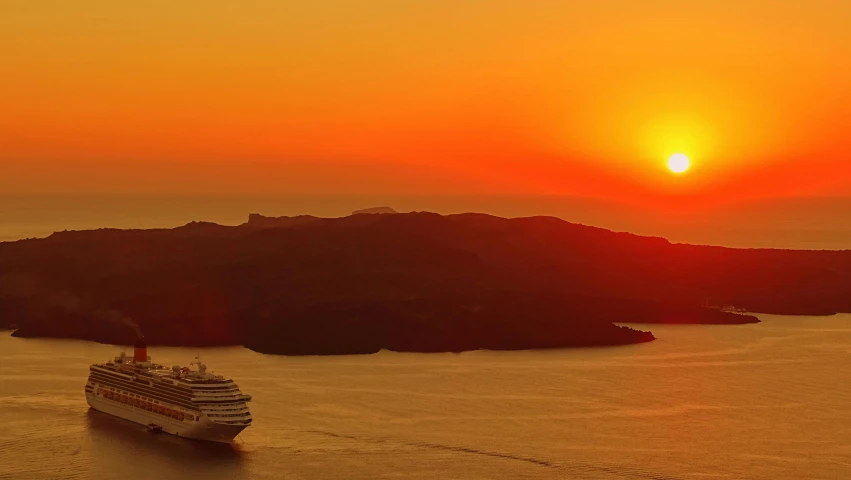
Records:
x=187, y=402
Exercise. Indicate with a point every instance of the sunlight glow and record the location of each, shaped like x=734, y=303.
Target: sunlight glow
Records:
x=678, y=163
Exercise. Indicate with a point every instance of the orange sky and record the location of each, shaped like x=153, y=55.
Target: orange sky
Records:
x=427, y=97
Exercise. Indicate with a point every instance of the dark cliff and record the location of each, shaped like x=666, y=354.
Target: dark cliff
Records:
x=416, y=281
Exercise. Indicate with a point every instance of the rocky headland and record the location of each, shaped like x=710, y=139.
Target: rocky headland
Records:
x=406, y=282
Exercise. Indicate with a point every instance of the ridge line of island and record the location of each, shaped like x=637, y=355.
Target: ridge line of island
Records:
x=408, y=282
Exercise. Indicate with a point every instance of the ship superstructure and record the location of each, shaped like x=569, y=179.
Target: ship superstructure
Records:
x=188, y=402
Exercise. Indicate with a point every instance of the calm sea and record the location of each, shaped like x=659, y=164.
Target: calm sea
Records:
x=766, y=401
x=806, y=223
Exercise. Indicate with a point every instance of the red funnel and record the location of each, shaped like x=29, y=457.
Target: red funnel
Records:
x=140, y=353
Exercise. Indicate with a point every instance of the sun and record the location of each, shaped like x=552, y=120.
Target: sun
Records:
x=678, y=163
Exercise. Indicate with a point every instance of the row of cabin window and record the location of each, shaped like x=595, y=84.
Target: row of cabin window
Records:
x=148, y=405
x=239, y=409
x=168, y=395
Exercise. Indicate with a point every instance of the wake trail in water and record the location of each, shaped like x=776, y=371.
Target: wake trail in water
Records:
x=573, y=467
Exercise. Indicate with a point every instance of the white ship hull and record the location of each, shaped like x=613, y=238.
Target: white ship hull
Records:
x=203, y=429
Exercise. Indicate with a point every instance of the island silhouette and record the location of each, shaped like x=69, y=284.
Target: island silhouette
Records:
x=406, y=282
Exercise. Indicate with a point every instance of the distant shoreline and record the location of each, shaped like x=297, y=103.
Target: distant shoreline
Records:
x=236, y=345
x=807, y=223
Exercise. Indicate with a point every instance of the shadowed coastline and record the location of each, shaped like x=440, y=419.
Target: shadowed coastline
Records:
x=406, y=282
